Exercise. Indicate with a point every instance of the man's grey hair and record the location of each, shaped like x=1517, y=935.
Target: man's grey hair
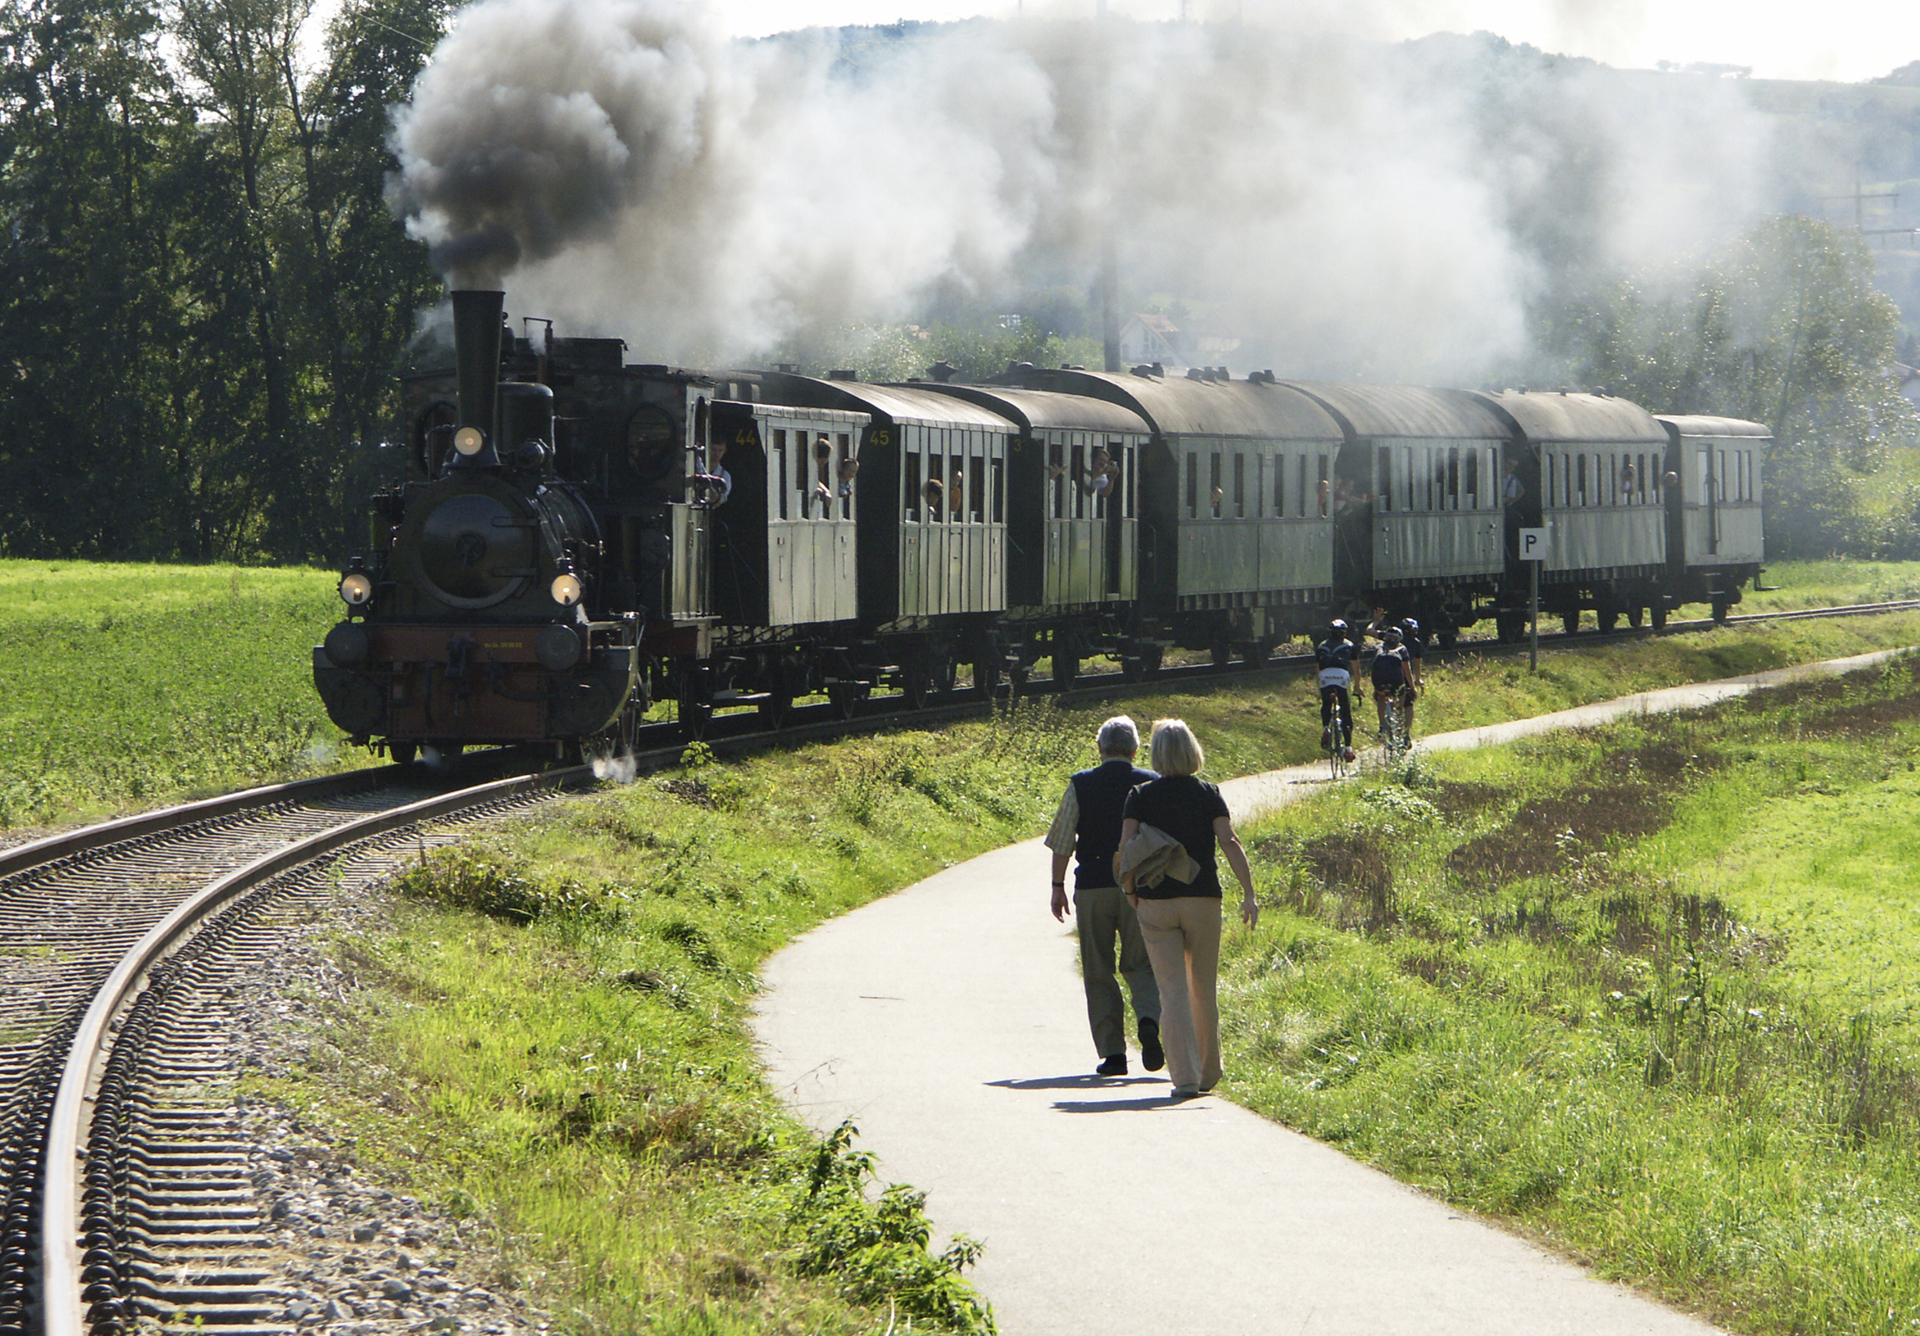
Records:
x=1119, y=736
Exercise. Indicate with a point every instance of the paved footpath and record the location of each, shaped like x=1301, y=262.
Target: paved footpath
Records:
x=947, y=1021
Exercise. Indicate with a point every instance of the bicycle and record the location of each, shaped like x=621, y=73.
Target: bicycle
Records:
x=1393, y=727
x=1335, y=736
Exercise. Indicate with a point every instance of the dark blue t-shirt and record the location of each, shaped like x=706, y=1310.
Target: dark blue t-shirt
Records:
x=1334, y=654
x=1387, y=667
x=1184, y=806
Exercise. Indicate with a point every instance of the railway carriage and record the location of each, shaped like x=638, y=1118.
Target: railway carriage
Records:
x=1714, y=537
x=932, y=557
x=1236, y=550
x=1417, y=501
x=1591, y=482
x=1073, y=533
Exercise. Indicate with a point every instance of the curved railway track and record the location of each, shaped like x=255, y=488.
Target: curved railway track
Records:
x=129, y=1199
x=127, y=1196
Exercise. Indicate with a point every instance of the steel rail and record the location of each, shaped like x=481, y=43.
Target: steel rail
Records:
x=165, y=818
x=62, y=1308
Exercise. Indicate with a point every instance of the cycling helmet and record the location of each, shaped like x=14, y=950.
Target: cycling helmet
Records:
x=1338, y=625
x=1410, y=624
x=1389, y=633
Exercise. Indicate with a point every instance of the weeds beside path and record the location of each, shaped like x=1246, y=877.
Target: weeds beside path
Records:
x=1646, y=991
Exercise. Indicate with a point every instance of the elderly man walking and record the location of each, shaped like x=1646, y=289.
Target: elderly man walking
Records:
x=1088, y=824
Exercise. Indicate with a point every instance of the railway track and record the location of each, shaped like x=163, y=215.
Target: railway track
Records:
x=128, y=1201
x=742, y=732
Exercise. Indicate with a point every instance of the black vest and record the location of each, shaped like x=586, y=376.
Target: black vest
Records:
x=1102, y=795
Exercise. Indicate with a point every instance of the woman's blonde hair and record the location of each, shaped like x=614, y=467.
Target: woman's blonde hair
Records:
x=1175, y=750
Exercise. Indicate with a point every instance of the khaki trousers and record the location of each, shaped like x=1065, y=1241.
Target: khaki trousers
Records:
x=1183, y=939
x=1104, y=917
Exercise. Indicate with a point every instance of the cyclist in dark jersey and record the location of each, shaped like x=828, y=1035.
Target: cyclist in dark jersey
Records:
x=1392, y=677
x=1416, y=646
x=1333, y=660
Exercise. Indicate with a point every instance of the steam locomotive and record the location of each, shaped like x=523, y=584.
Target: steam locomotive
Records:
x=577, y=538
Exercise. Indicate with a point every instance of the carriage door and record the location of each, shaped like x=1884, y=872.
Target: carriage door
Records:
x=1115, y=506
x=1709, y=510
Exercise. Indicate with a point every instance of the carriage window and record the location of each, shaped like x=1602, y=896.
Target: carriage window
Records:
x=1385, y=483
x=1323, y=488
x=1193, y=485
x=977, y=488
x=1213, y=482
x=1723, y=476
x=957, y=484
x=780, y=467
x=1280, y=486
x=1472, y=483
x=1703, y=475
x=1239, y=485
x=846, y=468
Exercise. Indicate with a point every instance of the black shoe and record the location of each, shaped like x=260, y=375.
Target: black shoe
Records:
x=1152, y=1056
x=1113, y=1066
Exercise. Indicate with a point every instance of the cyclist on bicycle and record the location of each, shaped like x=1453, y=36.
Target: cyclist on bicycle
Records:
x=1392, y=676
x=1334, y=659
x=1416, y=647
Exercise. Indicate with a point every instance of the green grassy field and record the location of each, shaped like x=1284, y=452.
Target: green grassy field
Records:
x=560, y=1012
x=127, y=686
x=1646, y=992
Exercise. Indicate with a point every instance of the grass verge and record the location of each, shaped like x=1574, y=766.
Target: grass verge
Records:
x=1646, y=992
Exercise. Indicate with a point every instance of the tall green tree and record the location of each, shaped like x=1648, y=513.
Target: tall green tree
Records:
x=89, y=117
x=1784, y=327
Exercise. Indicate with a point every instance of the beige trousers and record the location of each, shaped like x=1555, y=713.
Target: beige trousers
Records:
x=1183, y=940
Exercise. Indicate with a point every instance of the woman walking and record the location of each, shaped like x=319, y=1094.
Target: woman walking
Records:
x=1181, y=921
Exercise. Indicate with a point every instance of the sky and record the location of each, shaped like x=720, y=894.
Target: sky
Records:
x=1847, y=40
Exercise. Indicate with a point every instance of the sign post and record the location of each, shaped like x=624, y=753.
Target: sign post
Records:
x=1533, y=551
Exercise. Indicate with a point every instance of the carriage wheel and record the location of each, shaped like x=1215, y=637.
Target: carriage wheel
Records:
x=986, y=678
x=696, y=706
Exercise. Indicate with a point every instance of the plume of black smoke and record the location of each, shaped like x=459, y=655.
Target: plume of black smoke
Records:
x=1345, y=208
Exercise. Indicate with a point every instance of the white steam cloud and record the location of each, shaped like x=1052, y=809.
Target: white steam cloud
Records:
x=1343, y=208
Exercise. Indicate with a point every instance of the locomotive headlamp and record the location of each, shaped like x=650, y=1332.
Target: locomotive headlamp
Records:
x=356, y=589
x=565, y=588
x=469, y=440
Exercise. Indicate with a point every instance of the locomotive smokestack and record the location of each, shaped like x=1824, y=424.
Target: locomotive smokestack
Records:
x=476, y=357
